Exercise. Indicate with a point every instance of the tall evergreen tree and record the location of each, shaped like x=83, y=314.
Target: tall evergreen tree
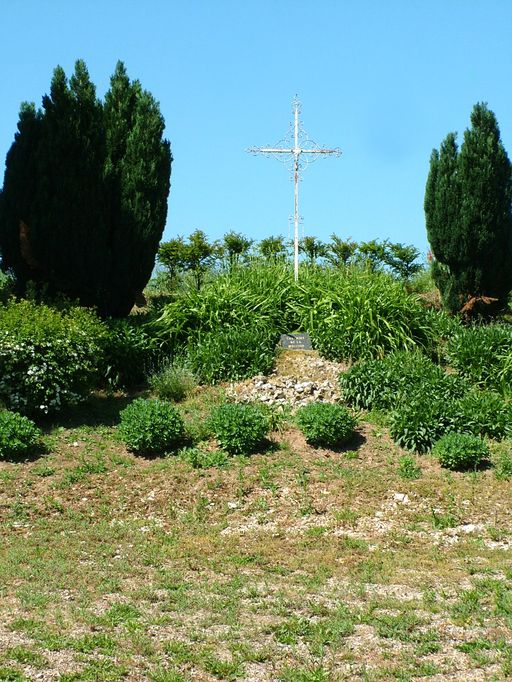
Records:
x=468, y=214
x=84, y=201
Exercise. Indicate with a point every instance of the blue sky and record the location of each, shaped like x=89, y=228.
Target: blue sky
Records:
x=384, y=80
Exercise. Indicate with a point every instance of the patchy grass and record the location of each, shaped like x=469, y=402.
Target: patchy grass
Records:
x=299, y=564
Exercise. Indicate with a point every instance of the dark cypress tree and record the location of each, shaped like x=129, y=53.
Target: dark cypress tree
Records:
x=137, y=170
x=19, y=188
x=84, y=201
x=468, y=214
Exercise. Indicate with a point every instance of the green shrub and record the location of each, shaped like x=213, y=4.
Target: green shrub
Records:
x=19, y=436
x=174, y=381
x=416, y=424
x=483, y=413
x=48, y=357
x=481, y=354
x=326, y=424
x=151, y=426
x=232, y=354
x=130, y=353
x=383, y=384
x=239, y=429
x=408, y=468
x=460, y=451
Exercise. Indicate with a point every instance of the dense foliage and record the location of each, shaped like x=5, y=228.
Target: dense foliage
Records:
x=84, y=200
x=19, y=436
x=239, y=429
x=418, y=423
x=483, y=354
x=48, y=358
x=130, y=353
x=384, y=384
x=232, y=354
x=469, y=216
x=151, y=427
x=349, y=313
x=326, y=424
x=460, y=451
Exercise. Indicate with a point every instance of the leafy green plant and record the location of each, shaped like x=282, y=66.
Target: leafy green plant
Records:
x=151, y=426
x=503, y=465
x=19, y=436
x=416, y=424
x=239, y=429
x=203, y=459
x=6, y=287
x=460, y=451
x=408, y=468
x=382, y=384
x=48, y=357
x=326, y=424
x=175, y=381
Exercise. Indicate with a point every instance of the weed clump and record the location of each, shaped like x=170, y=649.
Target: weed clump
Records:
x=460, y=451
x=239, y=429
x=151, y=426
x=326, y=424
x=203, y=459
x=173, y=382
x=19, y=436
x=408, y=468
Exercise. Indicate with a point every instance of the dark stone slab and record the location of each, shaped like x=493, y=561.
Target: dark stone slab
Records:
x=296, y=342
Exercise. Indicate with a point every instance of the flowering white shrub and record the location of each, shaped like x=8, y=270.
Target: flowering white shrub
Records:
x=48, y=358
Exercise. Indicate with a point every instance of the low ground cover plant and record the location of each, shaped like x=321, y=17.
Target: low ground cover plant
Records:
x=239, y=429
x=408, y=468
x=151, y=426
x=48, y=357
x=326, y=424
x=19, y=436
x=460, y=451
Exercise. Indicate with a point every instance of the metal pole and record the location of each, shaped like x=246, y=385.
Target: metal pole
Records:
x=296, y=153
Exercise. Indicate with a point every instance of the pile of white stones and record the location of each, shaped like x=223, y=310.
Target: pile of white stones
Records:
x=280, y=389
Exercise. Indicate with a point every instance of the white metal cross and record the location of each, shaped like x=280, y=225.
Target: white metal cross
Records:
x=294, y=157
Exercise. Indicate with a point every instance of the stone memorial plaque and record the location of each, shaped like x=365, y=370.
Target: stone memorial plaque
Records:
x=296, y=342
